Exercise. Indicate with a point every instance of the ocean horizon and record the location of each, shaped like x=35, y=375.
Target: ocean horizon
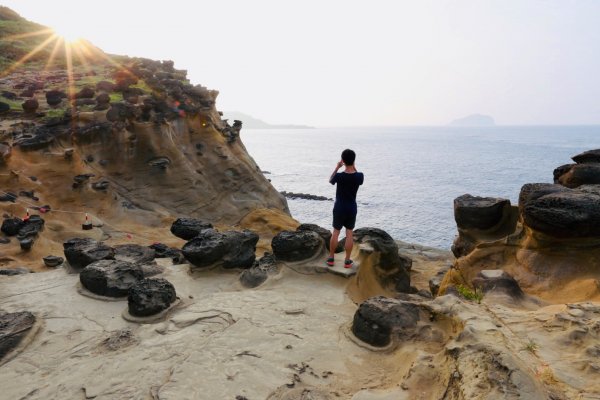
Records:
x=413, y=173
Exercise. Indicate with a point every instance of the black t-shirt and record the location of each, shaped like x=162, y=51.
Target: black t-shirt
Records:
x=345, y=193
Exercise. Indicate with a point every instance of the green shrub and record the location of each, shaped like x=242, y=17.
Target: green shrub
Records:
x=470, y=294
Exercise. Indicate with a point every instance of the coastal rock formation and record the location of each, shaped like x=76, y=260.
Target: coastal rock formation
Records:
x=297, y=246
x=161, y=250
x=150, y=296
x=260, y=271
x=53, y=261
x=189, y=228
x=230, y=249
x=80, y=252
x=324, y=233
x=13, y=328
x=378, y=318
x=134, y=253
x=383, y=270
x=110, y=278
x=549, y=245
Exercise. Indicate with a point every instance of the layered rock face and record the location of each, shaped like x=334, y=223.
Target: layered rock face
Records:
x=550, y=244
x=130, y=142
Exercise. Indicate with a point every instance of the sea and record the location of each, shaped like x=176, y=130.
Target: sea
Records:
x=413, y=174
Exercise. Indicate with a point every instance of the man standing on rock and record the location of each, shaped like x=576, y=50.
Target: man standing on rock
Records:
x=344, y=209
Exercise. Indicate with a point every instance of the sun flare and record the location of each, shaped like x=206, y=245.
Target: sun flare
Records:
x=68, y=35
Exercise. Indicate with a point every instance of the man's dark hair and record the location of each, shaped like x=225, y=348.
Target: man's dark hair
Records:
x=348, y=157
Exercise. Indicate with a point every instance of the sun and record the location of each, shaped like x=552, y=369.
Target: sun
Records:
x=68, y=34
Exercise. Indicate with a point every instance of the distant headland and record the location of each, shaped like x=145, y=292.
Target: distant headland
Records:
x=474, y=120
x=255, y=123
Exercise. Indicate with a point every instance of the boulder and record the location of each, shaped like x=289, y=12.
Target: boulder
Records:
x=85, y=93
x=324, y=233
x=31, y=227
x=499, y=282
x=560, y=212
x=259, y=272
x=11, y=226
x=80, y=252
x=391, y=268
x=30, y=105
x=379, y=318
x=134, y=253
x=4, y=107
x=103, y=98
x=579, y=174
x=296, y=246
x=40, y=141
x=27, y=92
x=105, y=86
x=26, y=244
x=150, y=296
x=4, y=240
x=189, y=228
x=163, y=251
x=13, y=328
x=53, y=261
x=110, y=278
x=8, y=197
x=472, y=212
x=14, y=271
x=231, y=249
x=55, y=97
x=9, y=95
x=590, y=156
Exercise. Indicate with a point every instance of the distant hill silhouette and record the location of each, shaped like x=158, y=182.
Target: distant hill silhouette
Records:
x=255, y=123
x=474, y=120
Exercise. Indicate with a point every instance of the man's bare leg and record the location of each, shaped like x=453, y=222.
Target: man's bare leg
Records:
x=333, y=242
x=349, y=243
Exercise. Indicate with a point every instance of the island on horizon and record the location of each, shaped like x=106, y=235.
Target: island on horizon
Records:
x=251, y=122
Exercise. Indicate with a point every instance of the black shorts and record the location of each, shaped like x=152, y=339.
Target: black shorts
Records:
x=345, y=220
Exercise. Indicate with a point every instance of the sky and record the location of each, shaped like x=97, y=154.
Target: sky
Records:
x=358, y=63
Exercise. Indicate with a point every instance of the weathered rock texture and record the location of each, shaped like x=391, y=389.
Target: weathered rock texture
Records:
x=231, y=249
x=552, y=247
x=150, y=296
x=297, y=246
x=383, y=270
x=110, y=277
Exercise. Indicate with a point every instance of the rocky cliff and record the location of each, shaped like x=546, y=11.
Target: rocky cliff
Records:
x=129, y=141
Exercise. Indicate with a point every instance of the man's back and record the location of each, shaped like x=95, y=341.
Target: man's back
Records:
x=347, y=187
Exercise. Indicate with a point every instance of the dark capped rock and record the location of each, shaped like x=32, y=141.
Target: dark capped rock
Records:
x=30, y=105
x=4, y=107
x=296, y=246
x=11, y=226
x=260, y=271
x=392, y=269
x=4, y=240
x=134, y=253
x=55, y=97
x=9, y=95
x=40, y=141
x=231, y=249
x=85, y=93
x=53, y=261
x=499, y=282
x=560, y=212
x=378, y=318
x=163, y=251
x=101, y=185
x=27, y=92
x=81, y=252
x=14, y=271
x=103, y=98
x=8, y=196
x=13, y=328
x=26, y=243
x=105, y=86
x=462, y=246
x=150, y=296
x=324, y=233
x=93, y=132
x=472, y=212
x=112, y=278
x=580, y=174
x=31, y=227
x=560, y=171
x=189, y=228
x=590, y=156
